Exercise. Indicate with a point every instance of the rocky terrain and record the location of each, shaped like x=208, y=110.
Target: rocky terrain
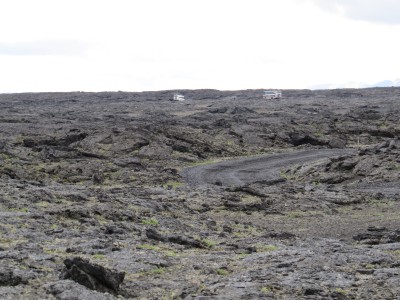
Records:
x=223, y=196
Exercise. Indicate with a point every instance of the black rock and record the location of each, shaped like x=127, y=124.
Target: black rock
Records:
x=112, y=229
x=312, y=291
x=92, y=276
x=154, y=235
x=8, y=278
x=176, y=239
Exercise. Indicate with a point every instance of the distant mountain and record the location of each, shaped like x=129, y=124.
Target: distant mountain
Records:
x=356, y=85
x=387, y=83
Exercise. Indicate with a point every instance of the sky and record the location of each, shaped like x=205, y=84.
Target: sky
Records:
x=143, y=45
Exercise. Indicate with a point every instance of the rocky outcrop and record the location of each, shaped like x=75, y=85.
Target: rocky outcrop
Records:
x=69, y=290
x=93, y=276
x=177, y=239
x=378, y=235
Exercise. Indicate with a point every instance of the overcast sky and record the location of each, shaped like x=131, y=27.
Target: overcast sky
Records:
x=137, y=45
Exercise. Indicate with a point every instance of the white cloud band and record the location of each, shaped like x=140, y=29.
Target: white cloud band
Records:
x=382, y=11
x=43, y=47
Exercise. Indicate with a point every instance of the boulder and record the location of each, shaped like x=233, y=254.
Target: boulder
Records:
x=337, y=142
x=394, y=144
x=298, y=139
x=9, y=278
x=92, y=276
x=70, y=290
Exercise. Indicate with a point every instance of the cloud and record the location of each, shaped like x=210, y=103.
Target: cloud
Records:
x=43, y=47
x=382, y=11
x=345, y=85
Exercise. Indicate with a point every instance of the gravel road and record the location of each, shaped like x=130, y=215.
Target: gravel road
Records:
x=237, y=172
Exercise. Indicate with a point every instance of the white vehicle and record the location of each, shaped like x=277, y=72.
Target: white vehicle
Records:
x=178, y=97
x=272, y=94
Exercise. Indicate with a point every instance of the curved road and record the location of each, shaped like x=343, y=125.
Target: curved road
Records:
x=241, y=171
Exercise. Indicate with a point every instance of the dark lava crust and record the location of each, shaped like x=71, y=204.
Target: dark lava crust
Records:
x=223, y=196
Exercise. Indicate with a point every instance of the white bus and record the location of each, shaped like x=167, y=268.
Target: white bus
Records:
x=272, y=94
x=178, y=97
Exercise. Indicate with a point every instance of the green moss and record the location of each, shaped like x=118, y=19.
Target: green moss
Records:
x=104, y=148
x=5, y=157
x=295, y=214
x=23, y=209
x=239, y=234
x=55, y=252
x=394, y=252
x=286, y=176
x=318, y=134
x=246, y=230
x=383, y=124
x=222, y=272
x=230, y=143
x=101, y=219
x=316, y=182
x=370, y=266
x=266, y=290
x=170, y=253
x=49, y=251
x=42, y=204
x=159, y=270
x=98, y=256
x=151, y=222
x=161, y=250
x=170, y=296
x=173, y=184
x=341, y=291
x=156, y=271
x=383, y=203
x=148, y=247
x=266, y=248
x=208, y=243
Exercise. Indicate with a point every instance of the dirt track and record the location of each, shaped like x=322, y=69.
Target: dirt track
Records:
x=242, y=171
